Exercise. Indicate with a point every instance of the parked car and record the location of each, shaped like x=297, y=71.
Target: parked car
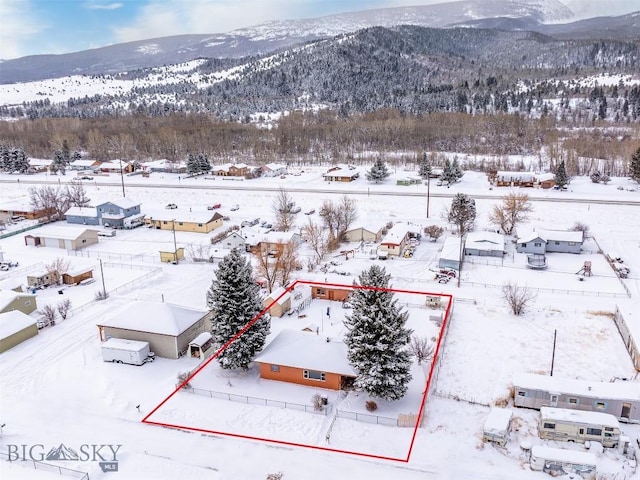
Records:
x=86, y=177
x=250, y=223
x=214, y=206
x=310, y=212
x=235, y=207
x=296, y=210
x=171, y=206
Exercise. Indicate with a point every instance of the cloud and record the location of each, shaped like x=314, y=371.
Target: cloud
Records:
x=20, y=24
x=102, y=6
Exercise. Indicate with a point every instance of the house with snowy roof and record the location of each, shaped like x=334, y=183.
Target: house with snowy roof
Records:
x=269, y=241
x=110, y=214
x=306, y=358
x=484, y=244
x=542, y=241
x=64, y=236
x=524, y=179
x=15, y=328
x=11, y=300
x=450, y=255
x=397, y=238
x=199, y=221
x=370, y=232
x=273, y=169
x=340, y=174
x=84, y=164
x=168, y=328
x=231, y=170
x=82, y=215
x=279, y=302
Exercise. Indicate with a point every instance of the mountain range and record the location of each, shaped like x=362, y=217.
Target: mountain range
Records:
x=548, y=17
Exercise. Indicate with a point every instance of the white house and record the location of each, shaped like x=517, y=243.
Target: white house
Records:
x=273, y=170
x=396, y=238
x=234, y=240
x=545, y=241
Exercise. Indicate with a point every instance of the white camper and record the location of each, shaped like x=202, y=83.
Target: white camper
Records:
x=133, y=352
x=578, y=426
x=497, y=426
x=557, y=461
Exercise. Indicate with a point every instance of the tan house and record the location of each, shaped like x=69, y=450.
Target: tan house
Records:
x=274, y=242
x=15, y=328
x=369, y=233
x=77, y=274
x=20, y=209
x=524, y=179
x=327, y=292
x=308, y=359
x=68, y=237
x=396, y=239
x=42, y=278
x=280, y=301
x=231, y=170
x=168, y=328
x=339, y=174
x=23, y=302
x=200, y=222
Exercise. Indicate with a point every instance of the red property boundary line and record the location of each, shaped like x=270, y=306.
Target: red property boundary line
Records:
x=430, y=377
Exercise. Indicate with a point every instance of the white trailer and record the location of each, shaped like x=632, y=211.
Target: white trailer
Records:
x=497, y=426
x=578, y=426
x=133, y=352
x=557, y=461
x=133, y=221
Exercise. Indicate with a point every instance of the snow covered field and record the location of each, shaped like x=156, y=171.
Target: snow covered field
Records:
x=55, y=388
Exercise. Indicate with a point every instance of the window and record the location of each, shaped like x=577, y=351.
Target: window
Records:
x=84, y=240
x=199, y=224
x=275, y=368
x=550, y=426
x=573, y=401
x=313, y=375
x=322, y=292
x=537, y=244
x=524, y=245
x=557, y=243
x=594, y=431
x=180, y=223
x=600, y=405
x=27, y=303
x=572, y=244
x=522, y=393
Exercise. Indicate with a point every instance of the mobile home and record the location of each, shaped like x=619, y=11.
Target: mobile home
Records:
x=558, y=461
x=621, y=399
x=497, y=426
x=577, y=426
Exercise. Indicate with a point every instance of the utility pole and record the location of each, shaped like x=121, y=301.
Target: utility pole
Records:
x=175, y=245
x=122, y=177
x=460, y=257
x=428, y=192
x=553, y=354
x=104, y=290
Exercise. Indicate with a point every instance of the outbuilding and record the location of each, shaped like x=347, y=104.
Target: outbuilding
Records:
x=450, y=254
x=364, y=233
x=15, y=328
x=308, y=359
x=168, y=328
x=327, y=292
x=484, y=244
x=280, y=301
x=76, y=274
x=67, y=237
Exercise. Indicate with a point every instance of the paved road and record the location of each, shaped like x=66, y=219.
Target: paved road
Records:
x=563, y=197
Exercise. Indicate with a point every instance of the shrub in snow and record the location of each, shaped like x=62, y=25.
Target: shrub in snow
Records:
x=275, y=476
x=318, y=402
x=63, y=308
x=371, y=406
x=182, y=376
x=48, y=315
x=101, y=295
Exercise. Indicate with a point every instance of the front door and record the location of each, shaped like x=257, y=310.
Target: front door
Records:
x=330, y=294
x=626, y=410
x=553, y=401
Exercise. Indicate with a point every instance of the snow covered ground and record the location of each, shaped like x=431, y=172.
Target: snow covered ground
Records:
x=56, y=389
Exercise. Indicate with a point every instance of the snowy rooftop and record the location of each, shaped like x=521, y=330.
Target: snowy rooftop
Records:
x=484, y=240
x=124, y=203
x=277, y=292
x=66, y=232
x=550, y=235
x=201, y=339
x=164, y=215
x=14, y=321
x=565, y=414
x=396, y=234
x=74, y=270
x=82, y=212
x=618, y=390
x=307, y=350
x=369, y=226
x=498, y=420
x=275, y=166
x=8, y=296
x=451, y=249
x=123, y=343
x=154, y=317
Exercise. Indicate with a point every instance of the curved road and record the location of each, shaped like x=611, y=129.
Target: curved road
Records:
x=237, y=185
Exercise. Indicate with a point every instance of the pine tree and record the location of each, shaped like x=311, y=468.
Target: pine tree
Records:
x=462, y=213
x=561, y=178
x=20, y=161
x=378, y=172
x=58, y=164
x=635, y=166
x=377, y=339
x=425, y=167
x=234, y=301
x=192, y=164
x=456, y=171
x=448, y=176
x=203, y=163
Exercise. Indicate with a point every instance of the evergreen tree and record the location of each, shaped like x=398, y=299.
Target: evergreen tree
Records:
x=20, y=161
x=425, y=167
x=377, y=339
x=76, y=155
x=378, y=172
x=234, y=300
x=561, y=178
x=448, y=175
x=58, y=164
x=203, y=163
x=635, y=166
x=456, y=171
x=5, y=159
x=66, y=153
x=192, y=164
x=462, y=213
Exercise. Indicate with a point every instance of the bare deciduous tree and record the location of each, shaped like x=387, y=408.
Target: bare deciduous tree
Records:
x=434, y=232
x=76, y=194
x=316, y=238
x=267, y=268
x=287, y=262
x=276, y=266
x=581, y=227
x=421, y=349
x=338, y=218
x=63, y=308
x=282, y=206
x=49, y=200
x=517, y=297
x=513, y=210
x=57, y=268
x=48, y=315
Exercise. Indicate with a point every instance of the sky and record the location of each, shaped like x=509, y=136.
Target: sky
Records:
x=32, y=27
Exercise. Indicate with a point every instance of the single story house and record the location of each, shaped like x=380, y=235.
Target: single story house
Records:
x=40, y=164
x=484, y=244
x=163, y=166
x=231, y=170
x=621, y=399
x=524, y=179
x=450, y=256
x=273, y=170
x=82, y=215
x=308, y=359
x=20, y=209
x=42, y=278
x=270, y=241
x=280, y=301
x=234, y=240
x=84, y=164
x=11, y=300
x=627, y=320
x=327, y=292
x=181, y=221
x=168, y=328
x=338, y=174
x=364, y=233
x=15, y=328
x=396, y=238
x=76, y=274
x=67, y=237
x=116, y=166
x=547, y=241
